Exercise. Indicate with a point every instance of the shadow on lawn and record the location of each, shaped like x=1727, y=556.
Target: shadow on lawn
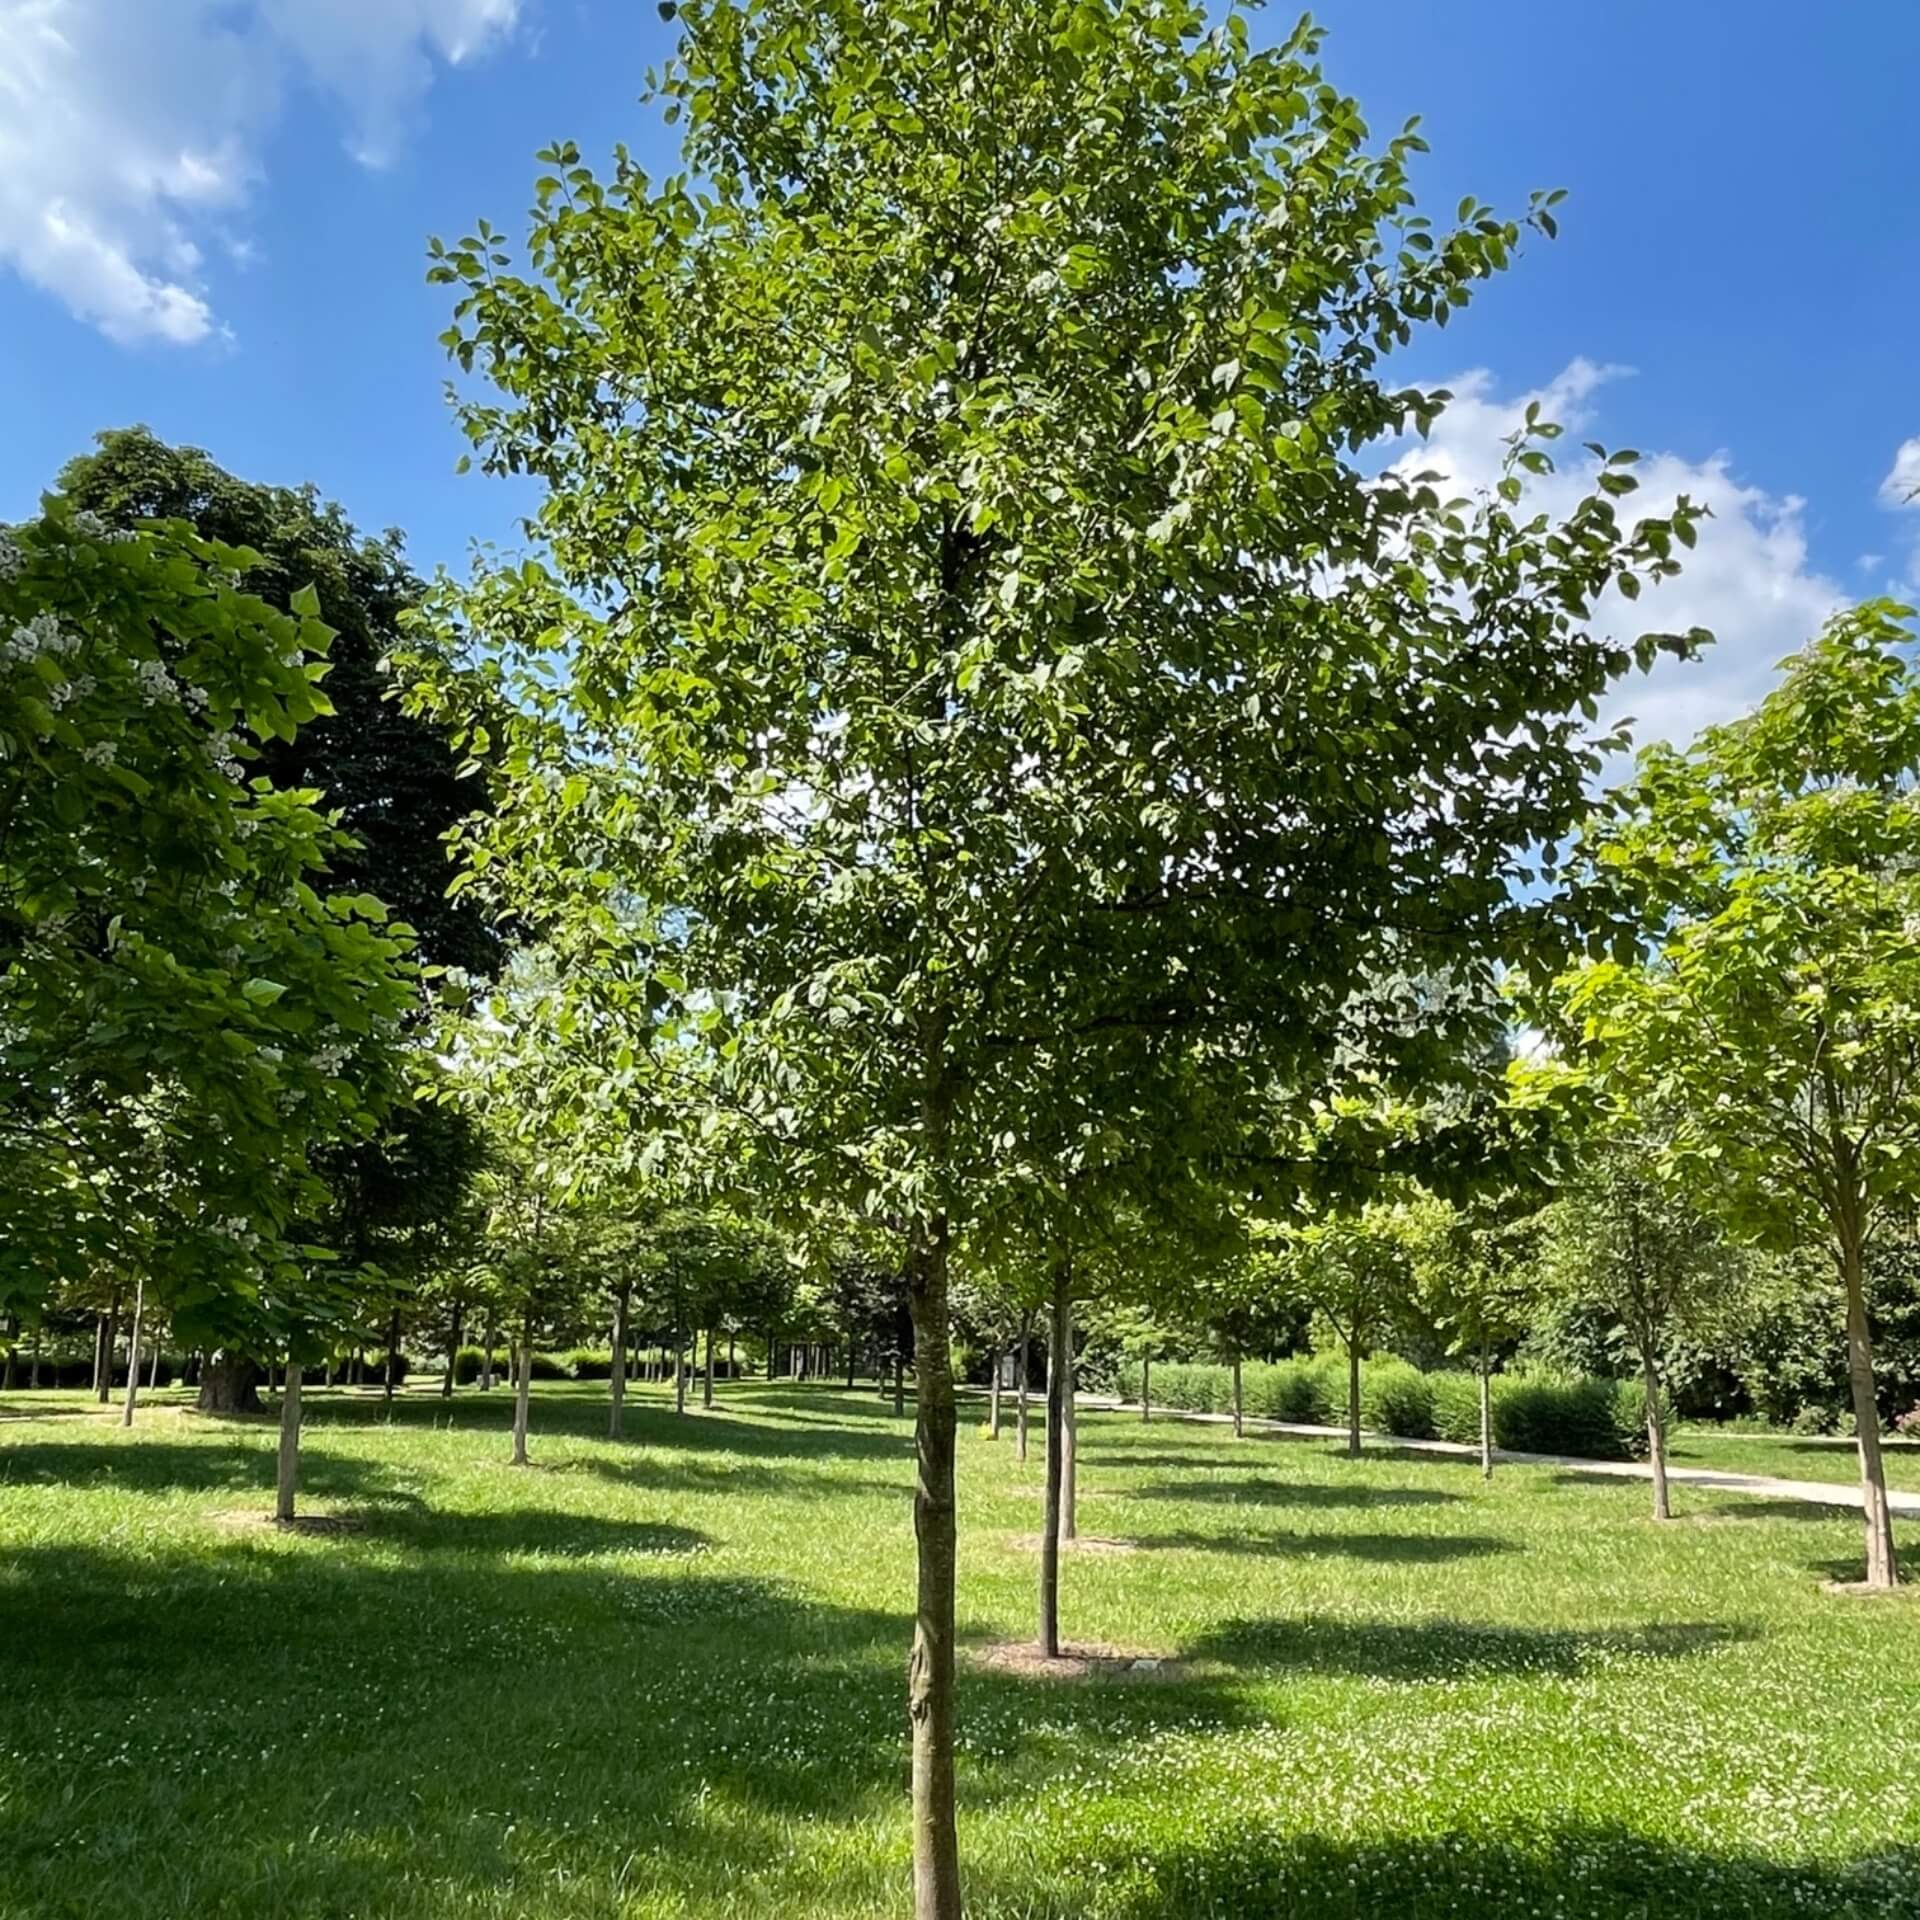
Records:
x=63, y=1458
x=218, y=1695
x=1256, y=1492
x=1380, y=1548
x=1453, y=1649
x=1597, y=1871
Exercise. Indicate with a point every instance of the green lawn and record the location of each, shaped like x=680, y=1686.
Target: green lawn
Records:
x=1792, y=1456
x=664, y=1678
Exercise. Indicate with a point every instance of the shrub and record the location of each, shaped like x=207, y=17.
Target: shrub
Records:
x=1815, y=1419
x=1583, y=1417
x=1291, y=1391
x=589, y=1363
x=1456, y=1406
x=1396, y=1398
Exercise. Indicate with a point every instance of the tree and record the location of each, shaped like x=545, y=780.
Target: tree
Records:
x=974, y=655
x=1627, y=1239
x=1760, y=893
x=1355, y=1270
x=186, y=1021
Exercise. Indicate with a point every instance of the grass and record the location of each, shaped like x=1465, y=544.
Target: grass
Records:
x=1793, y=1456
x=663, y=1678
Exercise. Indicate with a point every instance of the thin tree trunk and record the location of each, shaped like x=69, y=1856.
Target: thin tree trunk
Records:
x=706, y=1390
x=617, y=1378
x=1026, y=1337
x=1656, y=1437
x=900, y=1381
x=773, y=1353
x=679, y=1371
x=11, y=1377
x=453, y=1349
x=1060, y=1334
x=99, y=1340
x=287, y=1475
x=486, y=1358
x=1353, y=1399
x=853, y=1354
x=1146, y=1388
x=1069, y=1414
x=133, y=1351
x=392, y=1368
x=1883, y=1568
x=1486, y=1414
x=103, y=1387
x=930, y=1687
x=993, y=1398
x=33, y=1361
x=153, y=1369
x=522, y=1392
x=1239, y=1403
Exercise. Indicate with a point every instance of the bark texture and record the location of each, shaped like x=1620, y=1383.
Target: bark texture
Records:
x=287, y=1471
x=229, y=1384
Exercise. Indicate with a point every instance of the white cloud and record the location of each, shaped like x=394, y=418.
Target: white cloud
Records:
x=1900, y=490
x=1749, y=579
x=131, y=130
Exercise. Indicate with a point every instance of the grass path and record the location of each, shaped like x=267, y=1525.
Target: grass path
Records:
x=663, y=1678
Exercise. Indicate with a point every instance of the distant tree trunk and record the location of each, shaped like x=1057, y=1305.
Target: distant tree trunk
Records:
x=1146, y=1388
x=1353, y=1399
x=617, y=1379
x=33, y=1363
x=153, y=1369
x=133, y=1351
x=1070, y=1417
x=1026, y=1336
x=993, y=1397
x=229, y=1384
x=453, y=1349
x=706, y=1390
x=1486, y=1414
x=333, y=1367
x=486, y=1358
x=1656, y=1435
x=851, y=1349
x=392, y=1369
x=1883, y=1569
x=679, y=1370
x=522, y=1392
x=10, y=1378
x=103, y=1387
x=1053, y=1522
x=357, y=1367
x=287, y=1475
x=773, y=1353
x=99, y=1345
x=899, y=1384
x=1239, y=1403
x=731, y=1374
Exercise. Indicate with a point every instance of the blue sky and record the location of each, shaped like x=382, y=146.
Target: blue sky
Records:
x=213, y=220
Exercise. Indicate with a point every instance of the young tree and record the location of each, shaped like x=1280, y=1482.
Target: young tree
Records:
x=1762, y=893
x=972, y=622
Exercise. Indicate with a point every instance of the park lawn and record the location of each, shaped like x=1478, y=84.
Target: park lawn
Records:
x=1793, y=1456
x=663, y=1678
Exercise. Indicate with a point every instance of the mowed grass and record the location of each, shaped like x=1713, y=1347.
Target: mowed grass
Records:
x=664, y=1678
x=1792, y=1456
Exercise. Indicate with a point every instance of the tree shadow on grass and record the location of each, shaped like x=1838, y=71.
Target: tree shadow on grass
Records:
x=141, y=1465
x=1453, y=1649
x=347, y=1731
x=1255, y=1492
x=1380, y=1548
x=1584, y=1871
x=548, y=1532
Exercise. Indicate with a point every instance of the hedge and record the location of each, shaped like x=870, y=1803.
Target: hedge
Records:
x=1532, y=1413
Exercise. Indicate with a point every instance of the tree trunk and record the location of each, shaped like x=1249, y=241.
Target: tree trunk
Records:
x=229, y=1384
x=1060, y=1334
x=133, y=1351
x=392, y=1368
x=773, y=1353
x=1146, y=1388
x=33, y=1361
x=153, y=1370
x=522, y=1391
x=1069, y=1415
x=1656, y=1437
x=1239, y=1403
x=1026, y=1336
x=103, y=1387
x=1486, y=1414
x=453, y=1349
x=1353, y=1399
x=10, y=1379
x=731, y=1375
x=1883, y=1568
x=679, y=1371
x=486, y=1358
x=852, y=1354
x=287, y=1476
x=706, y=1388
x=617, y=1379
x=900, y=1382
x=930, y=1687
x=99, y=1342
x=993, y=1397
